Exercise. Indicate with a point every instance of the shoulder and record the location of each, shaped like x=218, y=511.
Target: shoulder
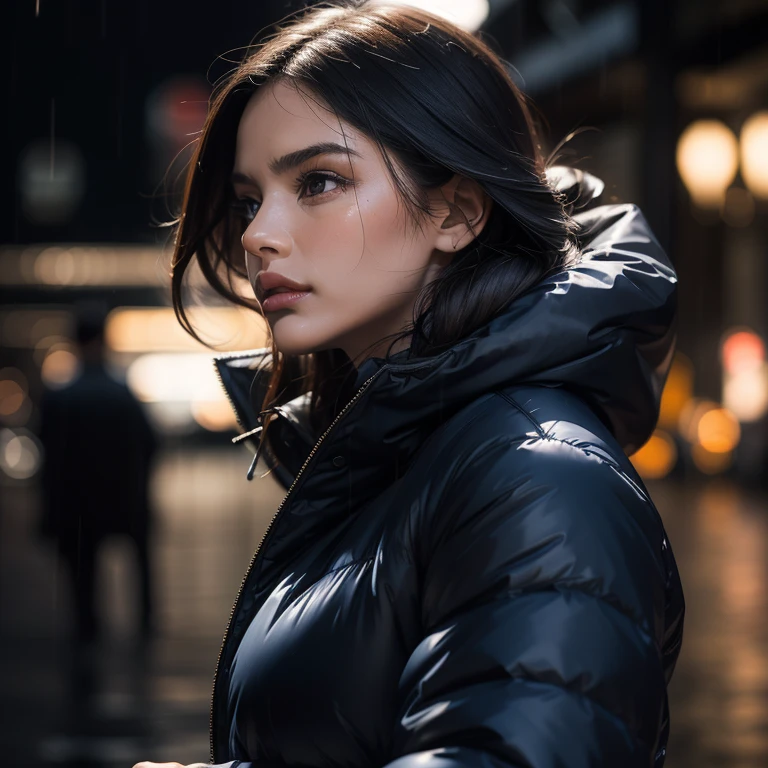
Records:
x=534, y=471
x=541, y=431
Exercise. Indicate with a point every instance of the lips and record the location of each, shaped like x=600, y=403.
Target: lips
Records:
x=271, y=283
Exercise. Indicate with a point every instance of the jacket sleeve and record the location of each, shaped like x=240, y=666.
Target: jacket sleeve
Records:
x=543, y=596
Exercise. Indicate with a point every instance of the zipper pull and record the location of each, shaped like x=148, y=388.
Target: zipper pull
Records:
x=252, y=469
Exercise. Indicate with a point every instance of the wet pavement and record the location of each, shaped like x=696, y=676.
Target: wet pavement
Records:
x=126, y=700
x=719, y=695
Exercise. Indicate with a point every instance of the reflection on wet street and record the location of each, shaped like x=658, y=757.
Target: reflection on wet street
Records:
x=125, y=701
x=719, y=696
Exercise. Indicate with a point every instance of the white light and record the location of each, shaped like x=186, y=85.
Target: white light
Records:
x=467, y=14
x=745, y=393
x=707, y=160
x=754, y=154
x=19, y=454
x=179, y=377
x=745, y=374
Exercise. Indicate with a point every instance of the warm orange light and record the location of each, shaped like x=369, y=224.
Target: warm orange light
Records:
x=214, y=415
x=707, y=160
x=677, y=391
x=754, y=153
x=690, y=416
x=718, y=431
x=59, y=367
x=138, y=329
x=94, y=265
x=11, y=397
x=708, y=462
x=657, y=458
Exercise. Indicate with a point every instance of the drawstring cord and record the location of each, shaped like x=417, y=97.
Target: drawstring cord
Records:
x=269, y=413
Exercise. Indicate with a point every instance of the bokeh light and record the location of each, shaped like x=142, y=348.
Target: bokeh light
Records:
x=707, y=160
x=742, y=350
x=657, y=458
x=60, y=366
x=174, y=377
x=745, y=374
x=155, y=329
x=214, y=415
x=678, y=390
x=20, y=454
x=709, y=462
x=754, y=153
x=690, y=416
x=718, y=431
x=15, y=404
x=468, y=14
x=11, y=397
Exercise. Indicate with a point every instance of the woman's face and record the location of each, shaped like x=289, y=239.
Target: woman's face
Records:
x=331, y=220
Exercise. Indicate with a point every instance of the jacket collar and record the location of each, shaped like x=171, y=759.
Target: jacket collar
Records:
x=603, y=328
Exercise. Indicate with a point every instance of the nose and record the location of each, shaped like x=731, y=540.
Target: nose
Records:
x=266, y=236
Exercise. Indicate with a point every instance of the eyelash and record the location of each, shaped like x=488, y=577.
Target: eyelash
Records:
x=242, y=204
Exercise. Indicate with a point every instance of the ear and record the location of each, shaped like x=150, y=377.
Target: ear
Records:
x=463, y=208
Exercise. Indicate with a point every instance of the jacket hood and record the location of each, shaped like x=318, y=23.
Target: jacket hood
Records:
x=603, y=328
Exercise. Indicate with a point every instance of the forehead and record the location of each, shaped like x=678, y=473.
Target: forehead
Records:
x=280, y=118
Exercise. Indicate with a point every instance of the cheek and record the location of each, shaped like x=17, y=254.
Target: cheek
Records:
x=364, y=240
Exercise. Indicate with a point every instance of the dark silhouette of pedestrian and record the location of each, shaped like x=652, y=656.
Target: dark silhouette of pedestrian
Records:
x=98, y=450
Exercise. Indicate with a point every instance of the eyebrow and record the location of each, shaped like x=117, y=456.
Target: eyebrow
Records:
x=293, y=159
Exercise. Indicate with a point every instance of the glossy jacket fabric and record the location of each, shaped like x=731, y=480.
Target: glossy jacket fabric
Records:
x=467, y=571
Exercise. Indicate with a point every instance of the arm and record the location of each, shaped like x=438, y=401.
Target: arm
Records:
x=543, y=595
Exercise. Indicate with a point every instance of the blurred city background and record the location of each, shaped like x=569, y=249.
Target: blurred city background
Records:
x=669, y=102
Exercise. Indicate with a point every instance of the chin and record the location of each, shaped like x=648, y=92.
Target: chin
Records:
x=299, y=344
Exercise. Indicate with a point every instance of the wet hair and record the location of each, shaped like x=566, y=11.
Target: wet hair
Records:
x=437, y=101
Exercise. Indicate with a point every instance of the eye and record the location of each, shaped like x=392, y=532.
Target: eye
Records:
x=245, y=207
x=314, y=183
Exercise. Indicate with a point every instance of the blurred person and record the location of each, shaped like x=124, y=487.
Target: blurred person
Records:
x=466, y=569
x=98, y=450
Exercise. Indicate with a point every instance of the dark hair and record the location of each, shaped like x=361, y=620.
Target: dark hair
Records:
x=437, y=101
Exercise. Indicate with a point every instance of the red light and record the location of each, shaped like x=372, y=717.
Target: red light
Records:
x=742, y=351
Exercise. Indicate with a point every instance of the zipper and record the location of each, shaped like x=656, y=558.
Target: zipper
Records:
x=269, y=527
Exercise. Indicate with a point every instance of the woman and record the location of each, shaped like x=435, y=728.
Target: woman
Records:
x=466, y=569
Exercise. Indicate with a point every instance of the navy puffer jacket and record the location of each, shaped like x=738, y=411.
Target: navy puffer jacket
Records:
x=467, y=571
